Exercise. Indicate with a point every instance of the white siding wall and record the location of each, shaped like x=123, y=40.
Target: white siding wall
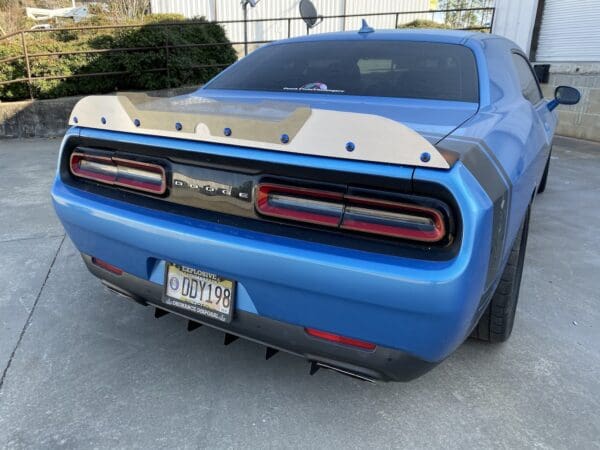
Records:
x=514, y=19
x=378, y=6
x=204, y=8
x=220, y=10
x=569, y=31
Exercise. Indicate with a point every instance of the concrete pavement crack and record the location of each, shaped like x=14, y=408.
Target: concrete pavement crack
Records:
x=30, y=238
x=30, y=316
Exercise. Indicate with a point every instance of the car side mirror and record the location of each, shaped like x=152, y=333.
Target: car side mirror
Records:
x=564, y=95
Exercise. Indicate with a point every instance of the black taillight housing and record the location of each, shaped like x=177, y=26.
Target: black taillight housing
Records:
x=374, y=213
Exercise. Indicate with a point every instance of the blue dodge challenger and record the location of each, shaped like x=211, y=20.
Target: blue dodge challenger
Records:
x=359, y=199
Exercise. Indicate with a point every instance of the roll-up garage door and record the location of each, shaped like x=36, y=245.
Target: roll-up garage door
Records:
x=569, y=31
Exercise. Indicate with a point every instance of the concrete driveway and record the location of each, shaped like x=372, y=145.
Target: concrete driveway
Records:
x=81, y=367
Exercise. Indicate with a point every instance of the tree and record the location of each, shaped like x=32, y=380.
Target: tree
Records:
x=466, y=19
x=129, y=9
x=11, y=16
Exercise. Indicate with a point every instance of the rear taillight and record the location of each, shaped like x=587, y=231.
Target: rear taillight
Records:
x=396, y=219
x=331, y=337
x=301, y=204
x=133, y=174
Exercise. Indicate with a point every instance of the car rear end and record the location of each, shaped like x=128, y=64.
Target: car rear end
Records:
x=371, y=260
x=385, y=293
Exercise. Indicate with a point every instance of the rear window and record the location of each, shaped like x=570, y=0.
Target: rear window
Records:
x=371, y=68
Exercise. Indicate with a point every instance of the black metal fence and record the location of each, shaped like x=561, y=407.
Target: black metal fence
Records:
x=477, y=19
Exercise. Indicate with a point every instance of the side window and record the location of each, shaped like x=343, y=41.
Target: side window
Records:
x=529, y=85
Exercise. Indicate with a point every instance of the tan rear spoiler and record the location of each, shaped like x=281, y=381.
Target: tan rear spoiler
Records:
x=278, y=126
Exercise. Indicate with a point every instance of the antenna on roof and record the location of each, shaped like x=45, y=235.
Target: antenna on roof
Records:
x=365, y=28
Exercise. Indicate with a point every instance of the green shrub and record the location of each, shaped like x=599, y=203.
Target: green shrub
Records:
x=144, y=67
x=421, y=23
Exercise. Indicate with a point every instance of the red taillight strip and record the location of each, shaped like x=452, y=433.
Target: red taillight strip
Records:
x=350, y=212
x=78, y=170
x=301, y=204
x=421, y=223
x=136, y=175
x=141, y=177
x=331, y=337
x=106, y=266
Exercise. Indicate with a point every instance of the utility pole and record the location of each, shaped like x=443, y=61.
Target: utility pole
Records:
x=245, y=8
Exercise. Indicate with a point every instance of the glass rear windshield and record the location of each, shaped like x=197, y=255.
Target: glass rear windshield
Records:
x=423, y=70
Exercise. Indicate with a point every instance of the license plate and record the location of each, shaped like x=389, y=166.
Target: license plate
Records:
x=200, y=292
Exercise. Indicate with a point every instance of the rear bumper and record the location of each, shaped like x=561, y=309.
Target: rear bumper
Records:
x=424, y=308
x=383, y=363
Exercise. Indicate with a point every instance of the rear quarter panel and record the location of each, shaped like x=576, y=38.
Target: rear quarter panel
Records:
x=516, y=132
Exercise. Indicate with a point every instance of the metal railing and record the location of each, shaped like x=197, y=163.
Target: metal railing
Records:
x=485, y=24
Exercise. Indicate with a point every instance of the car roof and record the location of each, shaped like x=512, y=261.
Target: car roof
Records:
x=412, y=34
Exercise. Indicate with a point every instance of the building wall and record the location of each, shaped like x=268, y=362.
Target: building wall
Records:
x=567, y=40
x=514, y=19
x=220, y=10
x=569, y=31
x=582, y=120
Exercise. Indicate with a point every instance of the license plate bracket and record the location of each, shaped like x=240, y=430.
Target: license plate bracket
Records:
x=199, y=292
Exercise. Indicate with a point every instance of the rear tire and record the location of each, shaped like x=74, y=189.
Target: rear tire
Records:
x=542, y=186
x=497, y=321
